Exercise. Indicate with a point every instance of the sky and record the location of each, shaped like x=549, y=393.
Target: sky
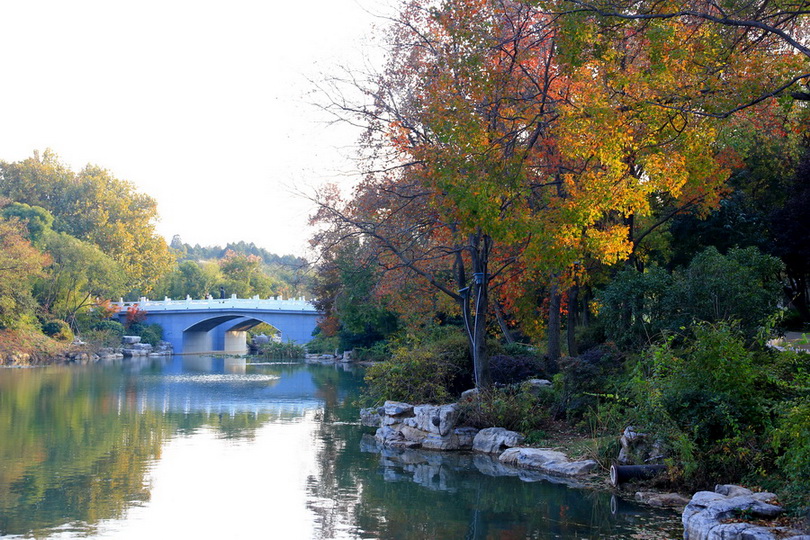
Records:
x=208, y=107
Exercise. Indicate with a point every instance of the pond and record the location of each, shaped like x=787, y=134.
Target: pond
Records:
x=207, y=447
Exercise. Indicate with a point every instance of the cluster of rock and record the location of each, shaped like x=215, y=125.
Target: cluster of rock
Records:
x=132, y=346
x=345, y=357
x=637, y=448
x=717, y=515
x=435, y=427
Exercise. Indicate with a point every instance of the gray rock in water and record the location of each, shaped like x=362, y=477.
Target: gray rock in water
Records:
x=437, y=419
x=547, y=461
x=370, y=417
x=130, y=340
x=707, y=514
x=398, y=408
x=494, y=440
x=662, y=500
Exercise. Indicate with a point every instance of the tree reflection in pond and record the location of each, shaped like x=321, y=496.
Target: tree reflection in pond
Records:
x=69, y=451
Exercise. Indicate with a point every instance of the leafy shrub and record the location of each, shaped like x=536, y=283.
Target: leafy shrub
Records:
x=287, y=350
x=322, y=344
x=633, y=307
x=514, y=369
x=433, y=372
x=57, y=329
x=114, y=327
x=702, y=400
x=514, y=407
x=150, y=333
x=584, y=378
x=377, y=352
x=792, y=437
x=637, y=308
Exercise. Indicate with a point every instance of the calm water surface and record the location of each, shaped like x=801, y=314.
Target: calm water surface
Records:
x=200, y=447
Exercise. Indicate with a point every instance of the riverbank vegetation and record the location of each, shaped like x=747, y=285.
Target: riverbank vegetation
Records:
x=608, y=199
x=73, y=241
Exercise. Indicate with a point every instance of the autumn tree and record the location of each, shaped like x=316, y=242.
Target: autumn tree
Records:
x=20, y=264
x=79, y=273
x=741, y=53
x=95, y=207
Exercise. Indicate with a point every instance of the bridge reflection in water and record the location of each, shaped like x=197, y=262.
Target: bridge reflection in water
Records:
x=221, y=325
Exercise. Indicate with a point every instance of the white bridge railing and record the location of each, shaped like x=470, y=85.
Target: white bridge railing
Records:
x=167, y=304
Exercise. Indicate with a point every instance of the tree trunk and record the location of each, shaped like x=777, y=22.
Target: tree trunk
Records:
x=571, y=322
x=481, y=245
x=507, y=334
x=554, y=323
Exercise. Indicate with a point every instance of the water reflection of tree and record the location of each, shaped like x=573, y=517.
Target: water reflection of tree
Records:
x=334, y=493
x=68, y=453
x=431, y=495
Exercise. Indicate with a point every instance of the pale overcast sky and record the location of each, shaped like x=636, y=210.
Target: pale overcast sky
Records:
x=203, y=105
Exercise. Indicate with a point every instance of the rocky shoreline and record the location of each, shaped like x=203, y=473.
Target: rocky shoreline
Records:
x=408, y=433
x=79, y=353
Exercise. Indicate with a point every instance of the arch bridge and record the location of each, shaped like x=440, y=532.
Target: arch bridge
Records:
x=221, y=325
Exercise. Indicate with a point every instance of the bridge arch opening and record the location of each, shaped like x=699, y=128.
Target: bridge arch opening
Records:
x=225, y=333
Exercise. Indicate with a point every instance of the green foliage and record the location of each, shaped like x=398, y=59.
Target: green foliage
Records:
x=150, y=333
x=507, y=369
x=377, y=352
x=431, y=372
x=57, y=329
x=20, y=265
x=631, y=306
x=114, y=327
x=288, y=350
x=94, y=207
x=584, y=380
x=516, y=407
x=792, y=438
x=705, y=401
x=37, y=220
x=323, y=344
x=742, y=286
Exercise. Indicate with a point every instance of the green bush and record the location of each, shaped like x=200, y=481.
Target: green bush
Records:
x=637, y=308
x=514, y=407
x=102, y=338
x=583, y=379
x=288, y=350
x=704, y=400
x=150, y=333
x=792, y=438
x=57, y=329
x=431, y=372
x=114, y=327
x=377, y=352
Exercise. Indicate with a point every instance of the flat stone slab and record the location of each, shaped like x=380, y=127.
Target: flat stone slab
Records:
x=714, y=515
x=493, y=440
x=547, y=461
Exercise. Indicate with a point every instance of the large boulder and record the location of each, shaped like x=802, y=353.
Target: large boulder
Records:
x=371, y=417
x=718, y=515
x=437, y=419
x=637, y=448
x=662, y=500
x=493, y=440
x=547, y=461
x=459, y=439
x=398, y=409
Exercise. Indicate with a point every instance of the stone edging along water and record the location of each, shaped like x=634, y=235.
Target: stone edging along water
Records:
x=707, y=516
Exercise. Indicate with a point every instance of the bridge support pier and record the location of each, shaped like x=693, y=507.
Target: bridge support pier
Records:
x=197, y=341
x=235, y=342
